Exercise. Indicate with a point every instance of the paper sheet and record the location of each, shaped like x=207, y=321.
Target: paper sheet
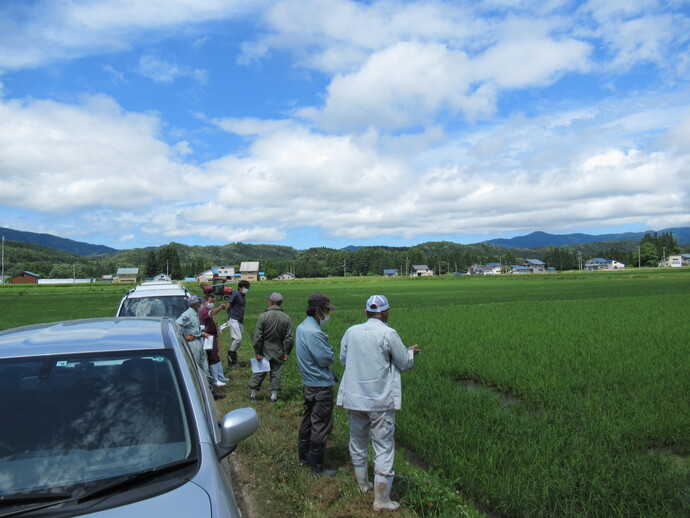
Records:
x=261, y=366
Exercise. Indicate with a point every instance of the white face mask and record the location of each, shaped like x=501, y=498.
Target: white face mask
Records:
x=244, y=290
x=325, y=320
x=210, y=305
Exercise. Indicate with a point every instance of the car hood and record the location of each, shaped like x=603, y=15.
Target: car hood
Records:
x=184, y=501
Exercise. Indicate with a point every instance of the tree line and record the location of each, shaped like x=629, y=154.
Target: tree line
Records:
x=180, y=261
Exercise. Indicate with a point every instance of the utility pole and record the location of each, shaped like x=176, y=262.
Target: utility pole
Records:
x=344, y=268
x=3, y=259
x=639, y=256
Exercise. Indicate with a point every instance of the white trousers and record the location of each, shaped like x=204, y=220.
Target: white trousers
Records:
x=380, y=428
x=236, y=330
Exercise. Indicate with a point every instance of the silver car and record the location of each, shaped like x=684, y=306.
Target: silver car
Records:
x=111, y=417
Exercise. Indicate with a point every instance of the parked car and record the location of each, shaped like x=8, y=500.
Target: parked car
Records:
x=112, y=418
x=154, y=299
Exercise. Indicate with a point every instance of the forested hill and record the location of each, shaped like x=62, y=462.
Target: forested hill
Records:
x=58, y=243
x=542, y=239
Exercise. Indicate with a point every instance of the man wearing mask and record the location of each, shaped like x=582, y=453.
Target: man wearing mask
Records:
x=235, y=308
x=373, y=356
x=208, y=309
x=314, y=358
x=273, y=339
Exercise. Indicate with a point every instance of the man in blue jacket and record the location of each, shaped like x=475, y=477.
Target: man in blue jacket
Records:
x=314, y=358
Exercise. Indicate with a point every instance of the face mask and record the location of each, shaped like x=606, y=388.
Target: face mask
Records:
x=244, y=290
x=325, y=320
x=210, y=305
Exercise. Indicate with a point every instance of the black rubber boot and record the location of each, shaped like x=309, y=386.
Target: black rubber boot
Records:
x=232, y=357
x=316, y=463
x=303, y=452
x=216, y=393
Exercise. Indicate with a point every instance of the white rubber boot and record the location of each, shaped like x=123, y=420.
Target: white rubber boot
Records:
x=274, y=396
x=362, y=478
x=382, y=493
x=215, y=368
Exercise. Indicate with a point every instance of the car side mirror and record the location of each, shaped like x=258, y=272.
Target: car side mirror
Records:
x=236, y=426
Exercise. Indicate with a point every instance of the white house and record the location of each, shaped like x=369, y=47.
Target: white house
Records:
x=535, y=265
x=390, y=272
x=678, y=260
x=598, y=263
x=421, y=270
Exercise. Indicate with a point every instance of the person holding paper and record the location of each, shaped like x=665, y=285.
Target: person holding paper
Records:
x=373, y=356
x=273, y=340
x=191, y=329
x=206, y=312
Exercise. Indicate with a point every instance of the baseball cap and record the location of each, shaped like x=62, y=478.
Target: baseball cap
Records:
x=275, y=297
x=194, y=299
x=377, y=304
x=319, y=300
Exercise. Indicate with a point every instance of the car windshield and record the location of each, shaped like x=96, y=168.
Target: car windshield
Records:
x=71, y=420
x=171, y=307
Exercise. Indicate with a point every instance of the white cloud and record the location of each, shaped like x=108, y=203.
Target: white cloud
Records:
x=56, y=157
x=162, y=71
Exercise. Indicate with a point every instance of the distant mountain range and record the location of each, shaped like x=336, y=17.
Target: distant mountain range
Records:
x=541, y=239
x=59, y=243
x=533, y=240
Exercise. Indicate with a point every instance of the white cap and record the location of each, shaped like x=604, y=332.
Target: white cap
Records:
x=377, y=304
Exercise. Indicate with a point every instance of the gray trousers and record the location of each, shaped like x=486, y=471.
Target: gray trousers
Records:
x=276, y=376
x=317, y=420
x=380, y=428
x=199, y=354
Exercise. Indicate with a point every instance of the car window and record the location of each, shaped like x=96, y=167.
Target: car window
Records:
x=171, y=307
x=80, y=419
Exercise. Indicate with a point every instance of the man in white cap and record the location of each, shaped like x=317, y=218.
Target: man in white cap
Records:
x=373, y=355
x=273, y=339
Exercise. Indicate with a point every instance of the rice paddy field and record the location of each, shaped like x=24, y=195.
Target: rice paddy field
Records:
x=533, y=396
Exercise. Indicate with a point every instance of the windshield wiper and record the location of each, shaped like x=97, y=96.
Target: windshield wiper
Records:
x=18, y=499
x=112, y=487
x=135, y=478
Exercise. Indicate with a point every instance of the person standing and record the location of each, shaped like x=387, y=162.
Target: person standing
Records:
x=235, y=308
x=314, y=358
x=206, y=312
x=273, y=339
x=191, y=329
x=373, y=356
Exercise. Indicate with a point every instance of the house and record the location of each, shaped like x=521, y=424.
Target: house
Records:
x=127, y=275
x=485, y=269
x=676, y=261
x=249, y=271
x=519, y=269
x=598, y=263
x=287, y=276
x=106, y=279
x=534, y=266
x=390, y=272
x=216, y=271
x=25, y=278
x=420, y=270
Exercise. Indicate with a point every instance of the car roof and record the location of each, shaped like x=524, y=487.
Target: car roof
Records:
x=88, y=335
x=157, y=289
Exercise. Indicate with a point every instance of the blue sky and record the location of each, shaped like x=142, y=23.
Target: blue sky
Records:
x=333, y=122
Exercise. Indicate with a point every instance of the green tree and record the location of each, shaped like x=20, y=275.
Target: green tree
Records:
x=648, y=254
x=151, y=264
